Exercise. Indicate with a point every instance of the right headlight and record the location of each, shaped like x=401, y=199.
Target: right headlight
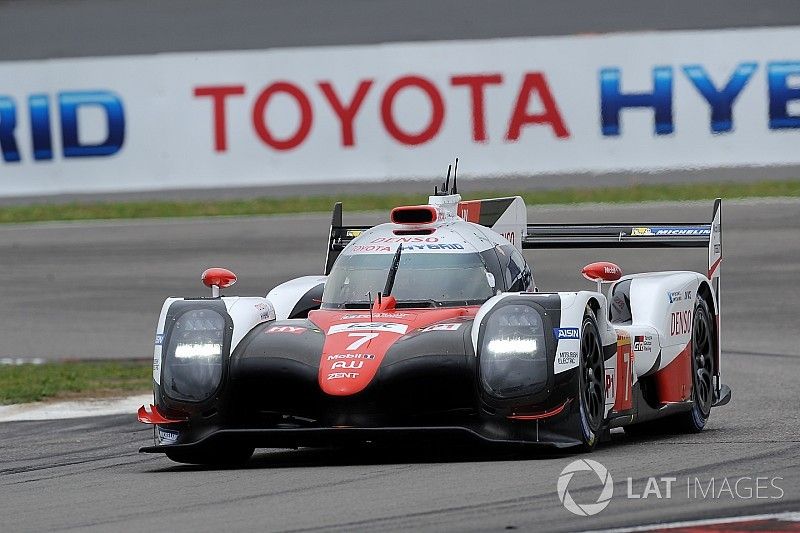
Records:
x=193, y=362
x=513, y=354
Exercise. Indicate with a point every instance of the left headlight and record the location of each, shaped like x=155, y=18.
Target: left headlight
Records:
x=513, y=354
x=193, y=362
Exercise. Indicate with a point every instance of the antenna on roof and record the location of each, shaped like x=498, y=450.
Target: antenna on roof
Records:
x=447, y=181
x=455, y=176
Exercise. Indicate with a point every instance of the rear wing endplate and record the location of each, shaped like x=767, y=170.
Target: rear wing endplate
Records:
x=340, y=236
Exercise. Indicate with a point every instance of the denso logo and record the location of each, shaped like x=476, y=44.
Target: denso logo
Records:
x=680, y=323
x=566, y=333
x=69, y=106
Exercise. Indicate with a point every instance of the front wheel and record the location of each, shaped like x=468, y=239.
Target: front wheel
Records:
x=591, y=390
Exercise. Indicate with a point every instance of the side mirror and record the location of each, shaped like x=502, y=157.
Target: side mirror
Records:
x=601, y=271
x=218, y=278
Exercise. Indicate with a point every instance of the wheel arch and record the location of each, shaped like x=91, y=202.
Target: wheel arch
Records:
x=704, y=291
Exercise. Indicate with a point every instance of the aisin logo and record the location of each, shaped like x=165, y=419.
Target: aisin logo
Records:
x=585, y=509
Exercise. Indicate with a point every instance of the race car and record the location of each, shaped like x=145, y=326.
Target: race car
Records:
x=431, y=327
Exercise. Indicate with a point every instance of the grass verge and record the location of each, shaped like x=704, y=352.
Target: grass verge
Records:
x=31, y=383
x=312, y=204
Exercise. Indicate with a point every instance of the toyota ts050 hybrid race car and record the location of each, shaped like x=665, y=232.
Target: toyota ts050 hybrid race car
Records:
x=430, y=326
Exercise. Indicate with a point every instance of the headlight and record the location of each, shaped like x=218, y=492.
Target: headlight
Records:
x=513, y=355
x=193, y=362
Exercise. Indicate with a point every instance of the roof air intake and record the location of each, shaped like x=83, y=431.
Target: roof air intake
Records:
x=413, y=214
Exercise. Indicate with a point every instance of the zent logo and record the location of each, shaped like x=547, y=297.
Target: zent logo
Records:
x=585, y=509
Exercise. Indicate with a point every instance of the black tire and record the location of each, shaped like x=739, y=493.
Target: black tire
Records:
x=591, y=386
x=222, y=456
x=704, y=343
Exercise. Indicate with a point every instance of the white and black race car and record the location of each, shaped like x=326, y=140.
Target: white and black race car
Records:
x=431, y=326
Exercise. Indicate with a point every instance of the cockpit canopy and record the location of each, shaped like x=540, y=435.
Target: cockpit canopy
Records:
x=444, y=266
x=422, y=280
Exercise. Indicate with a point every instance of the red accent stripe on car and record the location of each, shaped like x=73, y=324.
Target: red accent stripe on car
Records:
x=541, y=415
x=356, y=341
x=155, y=417
x=714, y=267
x=674, y=381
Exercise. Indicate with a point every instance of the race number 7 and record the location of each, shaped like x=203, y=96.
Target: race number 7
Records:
x=364, y=338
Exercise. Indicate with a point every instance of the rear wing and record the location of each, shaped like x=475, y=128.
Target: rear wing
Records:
x=644, y=235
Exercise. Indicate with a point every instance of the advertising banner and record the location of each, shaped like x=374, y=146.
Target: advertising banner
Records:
x=508, y=107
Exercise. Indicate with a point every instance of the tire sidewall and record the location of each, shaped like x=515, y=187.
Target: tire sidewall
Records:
x=589, y=435
x=698, y=418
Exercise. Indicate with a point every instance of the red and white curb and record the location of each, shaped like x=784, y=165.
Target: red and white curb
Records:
x=74, y=408
x=787, y=521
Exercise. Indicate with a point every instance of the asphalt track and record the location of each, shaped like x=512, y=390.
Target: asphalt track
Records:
x=41, y=29
x=94, y=289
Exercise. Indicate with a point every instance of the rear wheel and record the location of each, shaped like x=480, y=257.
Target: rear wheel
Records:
x=218, y=456
x=591, y=389
x=703, y=352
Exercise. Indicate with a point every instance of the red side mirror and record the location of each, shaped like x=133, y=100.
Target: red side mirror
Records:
x=602, y=271
x=218, y=278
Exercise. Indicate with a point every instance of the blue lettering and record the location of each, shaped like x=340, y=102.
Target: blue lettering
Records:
x=612, y=101
x=721, y=102
x=8, y=121
x=39, y=106
x=69, y=102
x=780, y=94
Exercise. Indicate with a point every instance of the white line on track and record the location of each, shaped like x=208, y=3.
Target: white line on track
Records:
x=73, y=408
x=790, y=516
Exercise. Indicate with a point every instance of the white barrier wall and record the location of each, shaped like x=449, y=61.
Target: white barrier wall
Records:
x=642, y=101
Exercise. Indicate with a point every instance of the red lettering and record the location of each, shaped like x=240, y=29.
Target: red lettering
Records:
x=218, y=95
x=259, y=120
x=347, y=113
x=534, y=82
x=437, y=110
x=476, y=83
x=680, y=323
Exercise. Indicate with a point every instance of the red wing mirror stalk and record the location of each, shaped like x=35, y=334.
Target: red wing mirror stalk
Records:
x=600, y=272
x=218, y=278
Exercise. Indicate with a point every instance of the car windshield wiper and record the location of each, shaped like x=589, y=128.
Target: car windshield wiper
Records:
x=387, y=289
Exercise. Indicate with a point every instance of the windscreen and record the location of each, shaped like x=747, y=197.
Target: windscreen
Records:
x=423, y=279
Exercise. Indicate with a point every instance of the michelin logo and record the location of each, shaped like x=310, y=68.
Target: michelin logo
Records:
x=666, y=231
x=566, y=333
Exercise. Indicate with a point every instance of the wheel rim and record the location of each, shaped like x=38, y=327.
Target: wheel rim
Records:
x=592, y=374
x=703, y=355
